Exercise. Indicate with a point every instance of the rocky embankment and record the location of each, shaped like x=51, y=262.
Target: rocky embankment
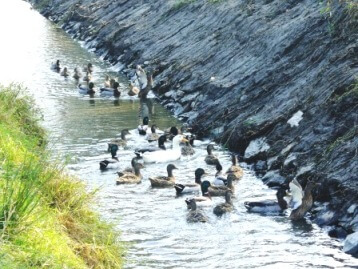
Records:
x=273, y=80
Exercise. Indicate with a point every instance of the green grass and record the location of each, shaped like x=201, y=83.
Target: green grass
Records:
x=45, y=215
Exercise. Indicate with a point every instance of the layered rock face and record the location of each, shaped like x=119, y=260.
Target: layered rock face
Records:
x=275, y=81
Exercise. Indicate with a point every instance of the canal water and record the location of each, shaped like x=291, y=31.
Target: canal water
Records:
x=152, y=221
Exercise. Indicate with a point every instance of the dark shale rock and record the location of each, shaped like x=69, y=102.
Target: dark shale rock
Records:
x=274, y=179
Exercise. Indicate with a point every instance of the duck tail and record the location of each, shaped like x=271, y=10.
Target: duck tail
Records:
x=179, y=188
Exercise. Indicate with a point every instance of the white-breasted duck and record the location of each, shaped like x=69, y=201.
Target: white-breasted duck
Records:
x=111, y=91
x=205, y=198
x=269, y=206
x=220, y=179
x=87, y=90
x=142, y=129
x=181, y=188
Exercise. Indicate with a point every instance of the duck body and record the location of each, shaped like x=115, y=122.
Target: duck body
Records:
x=86, y=90
x=133, y=90
x=56, y=66
x=168, y=155
x=221, y=190
x=142, y=77
x=164, y=181
x=306, y=203
x=87, y=77
x=190, y=188
x=108, y=164
x=194, y=214
x=187, y=150
x=203, y=200
x=211, y=159
x=119, y=142
x=268, y=206
x=142, y=129
x=153, y=136
x=77, y=74
x=65, y=72
x=111, y=91
x=226, y=207
x=130, y=177
x=162, y=139
x=235, y=171
x=219, y=179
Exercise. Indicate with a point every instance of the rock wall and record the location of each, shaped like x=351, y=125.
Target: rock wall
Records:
x=273, y=80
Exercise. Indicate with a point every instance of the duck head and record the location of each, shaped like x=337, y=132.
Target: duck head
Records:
x=198, y=174
x=161, y=140
x=209, y=149
x=170, y=168
x=178, y=139
x=205, y=187
x=91, y=85
x=153, y=128
x=174, y=131
x=191, y=204
x=233, y=159
x=145, y=121
x=113, y=149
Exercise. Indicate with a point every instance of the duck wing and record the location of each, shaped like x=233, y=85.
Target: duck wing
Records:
x=297, y=194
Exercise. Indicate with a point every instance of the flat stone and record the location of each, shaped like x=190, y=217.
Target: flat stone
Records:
x=351, y=244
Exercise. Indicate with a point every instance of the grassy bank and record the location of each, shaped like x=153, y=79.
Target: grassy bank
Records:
x=45, y=217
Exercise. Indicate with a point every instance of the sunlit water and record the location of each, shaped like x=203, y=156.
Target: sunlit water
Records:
x=152, y=221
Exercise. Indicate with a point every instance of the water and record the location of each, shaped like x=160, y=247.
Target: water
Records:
x=152, y=221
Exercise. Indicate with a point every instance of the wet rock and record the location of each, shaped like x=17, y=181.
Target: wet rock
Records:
x=338, y=232
x=291, y=162
x=260, y=167
x=327, y=218
x=274, y=179
x=256, y=149
x=351, y=244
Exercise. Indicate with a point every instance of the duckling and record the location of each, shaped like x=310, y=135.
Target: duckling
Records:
x=129, y=177
x=88, y=68
x=269, y=206
x=87, y=77
x=107, y=82
x=164, y=181
x=306, y=202
x=133, y=90
x=205, y=198
x=77, y=74
x=119, y=141
x=210, y=158
x=153, y=136
x=194, y=214
x=86, y=90
x=161, y=146
x=111, y=91
x=65, y=72
x=221, y=190
x=190, y=188
x=219, y=180
x=56, y=66
x=226, y=207
x=187, y=149
x=105, y=164
x=235, y=171
x=142, y=129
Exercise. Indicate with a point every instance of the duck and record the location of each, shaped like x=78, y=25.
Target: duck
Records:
x=168, y=155
x=269, y=206
x=187, y=149
x=77, y=74
x=122, y=141
x=161, y=146
x=219, y=179
x=88, y=68
x=87, y=77
x=221, y=190
x=153, y=136
x=181, y=188
x=210, y=158
x=142, y=129
x=111, y=91
x=133, y=162
x=130, y=177
x=302, y=200
x=205, y=198
x=194, y=214
x=86, y=90
x=65, y=72
x=105, y=164
x=107, y=82
x=164, y=181
x=133, y=90
x=235, y=171
x=226, y=207
x=56, y=66
x=142, y=77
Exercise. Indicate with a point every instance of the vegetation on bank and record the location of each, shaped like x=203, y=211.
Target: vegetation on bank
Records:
x=45, y=215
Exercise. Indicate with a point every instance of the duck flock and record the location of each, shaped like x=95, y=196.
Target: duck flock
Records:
x=173, y=144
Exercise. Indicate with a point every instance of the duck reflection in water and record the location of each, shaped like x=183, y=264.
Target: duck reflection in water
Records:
x=146, y=108
x=116, y=102
x=92, y=101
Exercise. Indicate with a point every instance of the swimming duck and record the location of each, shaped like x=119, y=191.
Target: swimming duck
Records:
x=187, y=149
x=133, y=90
x=64, y=72
x=142, y=77
x=210, y=158
x=219, y=180
x=190, y=188
x=129, y=177
x=194, y=214
x=86, y=90
x=221, y=190
x=56, y=66
x=88, y=68
x=302, y=200
x=164, y=181
x=168, y=155
x=153, y=136
x=269, y=206
x=133, y=162
x=111, y=92
x=105, y=164
x=77, y=74
x=235, y=171
x=162, y=139
x=107, y=82
x=142, y=129
x=87, y=77
x=226, y=207
x=205, y=198
x=119, y=141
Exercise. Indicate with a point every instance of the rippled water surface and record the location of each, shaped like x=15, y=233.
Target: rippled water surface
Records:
x=153, y=221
